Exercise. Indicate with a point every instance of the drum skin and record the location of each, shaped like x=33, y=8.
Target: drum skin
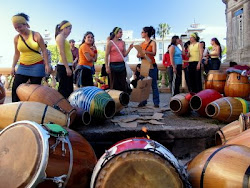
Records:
x=2, y=93
x=237, y=86
x=46, y=95
x=134, y=163
x=223, y=167
x=25, y=160
x=216, y=80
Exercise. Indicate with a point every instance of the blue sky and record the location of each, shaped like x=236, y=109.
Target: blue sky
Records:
x=101, y=16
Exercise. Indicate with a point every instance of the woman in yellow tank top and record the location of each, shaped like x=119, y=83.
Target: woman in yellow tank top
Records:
x=64, y=66
x=28, y=47
x=195, y=59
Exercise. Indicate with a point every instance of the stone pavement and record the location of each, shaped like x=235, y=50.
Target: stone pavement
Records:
x=184, y=136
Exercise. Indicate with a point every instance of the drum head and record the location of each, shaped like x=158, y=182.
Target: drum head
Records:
x=135, y=169
x=20, y=155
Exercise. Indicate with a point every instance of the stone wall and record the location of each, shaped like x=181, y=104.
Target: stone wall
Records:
x=238, y=30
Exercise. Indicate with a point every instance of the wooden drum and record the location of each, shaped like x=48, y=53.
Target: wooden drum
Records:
x=44, y=156
x=237, y=86
x=216, y=80
x=138, y=162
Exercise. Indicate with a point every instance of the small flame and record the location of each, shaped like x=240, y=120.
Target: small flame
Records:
x=145, y=130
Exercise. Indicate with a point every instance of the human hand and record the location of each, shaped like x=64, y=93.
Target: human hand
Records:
x=174, y=69
x=13, y=71
x=198, y=67
x=108, y=70
x=68, y=71
x=47, y=69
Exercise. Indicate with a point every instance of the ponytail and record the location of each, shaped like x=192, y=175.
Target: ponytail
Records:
x=114, y=32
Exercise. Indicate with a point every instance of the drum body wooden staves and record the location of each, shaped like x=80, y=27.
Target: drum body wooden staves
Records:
x=46, y=95
x=33, y=111
x=216, y=80
x=121, y=98
x=179, y=104
x=222, y=167
x=241, y=139
x=226, y=109
x=138, y=162
x=237, y=86
x=29, y=160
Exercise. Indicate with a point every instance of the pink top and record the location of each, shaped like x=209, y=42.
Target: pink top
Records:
x=115, y=55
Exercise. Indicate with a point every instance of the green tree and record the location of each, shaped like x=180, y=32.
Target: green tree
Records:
x=100, y=58
x=163, y=30
x=54, y=54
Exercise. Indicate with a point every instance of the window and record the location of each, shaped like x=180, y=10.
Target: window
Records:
x=160, y=45
x=237, y=29
x=160, y=57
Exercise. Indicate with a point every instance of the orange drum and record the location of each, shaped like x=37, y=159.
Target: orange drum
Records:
x=138, y=162
x=237, y=86
x=216, y=80
x=2, y=93
x=33, y=155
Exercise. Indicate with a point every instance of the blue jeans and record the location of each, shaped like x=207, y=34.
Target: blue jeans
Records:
x=153, y=74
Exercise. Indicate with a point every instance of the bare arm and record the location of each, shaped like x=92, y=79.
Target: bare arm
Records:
x=171, y=54
x=215, y=52
x=107, y=52
x=201, y=56
x=16, y=55
x=126, y=52
x=153, y=44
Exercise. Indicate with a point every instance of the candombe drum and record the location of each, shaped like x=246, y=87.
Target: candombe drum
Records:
x=121, y=98
x=216, y=80
x=200, y=100
x=46, y=95
x=179, y=104
x=226, y=166
x=138, y=162
x=227, y=109
x=2, y=93
x=33, y=111
x=237, y=85
x=93, y=100
x=241, y=139
x=33, y=155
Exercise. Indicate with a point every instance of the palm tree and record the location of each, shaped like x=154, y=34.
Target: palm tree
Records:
x=163, y=31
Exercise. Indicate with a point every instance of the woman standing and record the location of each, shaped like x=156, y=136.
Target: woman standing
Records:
x=176, y=62
x=64, y=66
x=215, y=54
x=195, y=59
x=149, y=49
x=114, y=60
x=87, y=57
x=28, y=45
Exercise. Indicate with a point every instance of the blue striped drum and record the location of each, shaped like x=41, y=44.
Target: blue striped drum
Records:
x=93, y=100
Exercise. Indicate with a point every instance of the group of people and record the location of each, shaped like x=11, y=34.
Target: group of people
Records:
x=189, y=57
x=30, y=51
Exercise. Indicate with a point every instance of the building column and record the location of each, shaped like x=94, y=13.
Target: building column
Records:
x=246, y=29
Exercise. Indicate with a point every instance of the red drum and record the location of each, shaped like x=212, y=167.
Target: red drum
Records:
x=200, y=101
x=32, y=155
x=2, y=93
x=138, y=162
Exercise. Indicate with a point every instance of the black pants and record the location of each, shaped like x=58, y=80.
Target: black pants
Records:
x=170, y=77
x=87, y=77
x=20, y=79
x=194, y=77
x=65, y=82
x=215, y=64
x=177, y=80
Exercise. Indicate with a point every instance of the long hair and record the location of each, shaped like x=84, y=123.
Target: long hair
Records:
x=216, y=41
x=150, y=30
x=197, y=38
x=174, y=40
x=85, y=35
x=204, y=44
x=58, y=26
x=186, y=44
x=114, y=32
